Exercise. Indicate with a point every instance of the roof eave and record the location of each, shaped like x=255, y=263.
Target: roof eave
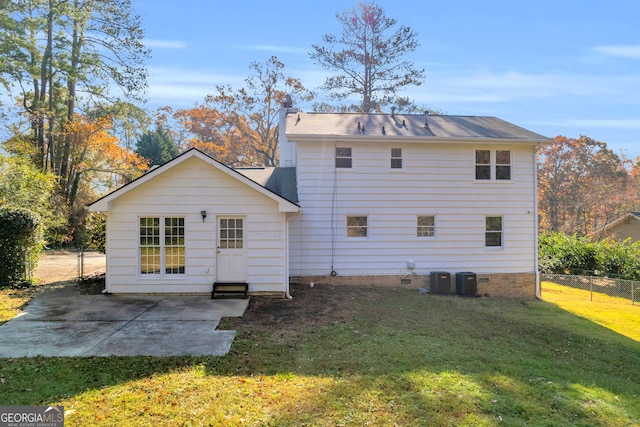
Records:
x=416, y=139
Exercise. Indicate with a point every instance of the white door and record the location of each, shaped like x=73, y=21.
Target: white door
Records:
x=231, y=263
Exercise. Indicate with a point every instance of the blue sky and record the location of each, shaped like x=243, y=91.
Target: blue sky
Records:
x=555, y=67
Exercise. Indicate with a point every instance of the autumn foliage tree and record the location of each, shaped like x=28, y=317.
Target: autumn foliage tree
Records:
x=239, y=126
x=582, y=185
x=95, y=160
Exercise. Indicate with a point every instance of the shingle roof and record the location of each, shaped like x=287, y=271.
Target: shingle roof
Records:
x=281, y=181
x=406, y=125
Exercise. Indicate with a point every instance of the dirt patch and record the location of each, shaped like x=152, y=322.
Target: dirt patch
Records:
x=317, y=306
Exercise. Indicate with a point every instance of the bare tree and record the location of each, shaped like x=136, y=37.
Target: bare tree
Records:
x=368, y=58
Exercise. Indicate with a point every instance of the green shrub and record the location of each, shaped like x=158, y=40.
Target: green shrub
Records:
x=559, y=253
x=95, y=231
x=20, y=244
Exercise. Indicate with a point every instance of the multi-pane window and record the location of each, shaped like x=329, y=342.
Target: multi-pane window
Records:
x=493, y=231
x=503, y=164
x=396, y=158
x=162, y=249
x=426, y=226
x=231, y=233
x=174, y=250
x=150, y=253
x=500, y=158
x=356, y=226
x=483, y=164
x=343, y=157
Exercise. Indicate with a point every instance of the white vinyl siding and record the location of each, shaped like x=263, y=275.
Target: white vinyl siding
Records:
x=184, y=191
x=437, y=178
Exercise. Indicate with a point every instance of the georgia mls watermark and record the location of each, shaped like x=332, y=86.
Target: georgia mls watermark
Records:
x=31, y=416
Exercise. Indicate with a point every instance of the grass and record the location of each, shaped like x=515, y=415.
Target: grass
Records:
x=402, y=359
x=611, y=312
x=11, y=300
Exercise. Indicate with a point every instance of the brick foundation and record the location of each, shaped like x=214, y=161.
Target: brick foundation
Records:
x=512, y=285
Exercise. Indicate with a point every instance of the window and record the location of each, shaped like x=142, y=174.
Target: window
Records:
x=503, y=164
x=356, y=226
x=502, y=161
x=483, y=164
x=162, y=249
x=426, y=226
x=493, y=233
x=343, y=157
x=231, y=233
x=396, y=158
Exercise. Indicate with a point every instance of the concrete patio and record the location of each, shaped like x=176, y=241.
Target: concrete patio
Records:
x=63, y=322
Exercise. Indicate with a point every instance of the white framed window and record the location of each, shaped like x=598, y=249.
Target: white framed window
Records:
x=493, y=236
x=494, y=165
x=162, y=246
x=426, y=226
x=483, y=164
x=396, y=158
x=503, y=164
x=357, y=226
x=231, y=233
x=344, y=157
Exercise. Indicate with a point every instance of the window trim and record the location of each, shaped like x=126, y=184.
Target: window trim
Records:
x=348, y=158
x=483, y=165
x=493, y=166
x=396, y=158
x=418, y=226
x=365, y=227
x=500, y=232
x=503, y=165
x=162, y=247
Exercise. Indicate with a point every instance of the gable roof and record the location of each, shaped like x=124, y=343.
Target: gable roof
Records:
x=619, y=220
x=284, y=204
x=302, y=126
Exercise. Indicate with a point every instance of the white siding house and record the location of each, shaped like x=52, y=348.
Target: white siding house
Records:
x=360, y=199
x=389, y=199
x=192, y=222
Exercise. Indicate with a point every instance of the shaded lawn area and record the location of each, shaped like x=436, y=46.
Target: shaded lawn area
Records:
x=353, y=356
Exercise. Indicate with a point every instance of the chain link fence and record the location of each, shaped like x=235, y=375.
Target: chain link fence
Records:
x=67, y=265
x=596, y=285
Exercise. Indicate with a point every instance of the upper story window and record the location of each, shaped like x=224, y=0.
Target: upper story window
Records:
x=396, y=158
x=493, y=231
x=503, y=164
x=344, y=158
x=357, y=226
x=500, y=159
x=483, y=164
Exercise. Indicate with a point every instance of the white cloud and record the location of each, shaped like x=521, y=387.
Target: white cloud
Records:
x=621, y=51
x=181, y=86
x=164, y=44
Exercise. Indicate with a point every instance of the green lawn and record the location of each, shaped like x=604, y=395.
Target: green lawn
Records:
x=399, y=358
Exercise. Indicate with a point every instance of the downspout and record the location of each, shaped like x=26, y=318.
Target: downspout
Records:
x=286, y=257
x=535, y=222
